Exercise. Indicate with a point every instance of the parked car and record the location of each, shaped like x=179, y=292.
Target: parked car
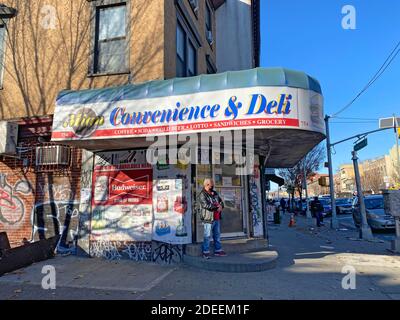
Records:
x=326, y=203
x=301, y=206
x=344, y=206
x=377, y=218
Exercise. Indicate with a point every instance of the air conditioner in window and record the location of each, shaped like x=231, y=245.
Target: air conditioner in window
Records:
x=210, y=37
x=53, y=155
x=194, y=4
x=8, y=138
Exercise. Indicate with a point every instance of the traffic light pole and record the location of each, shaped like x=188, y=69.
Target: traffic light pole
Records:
x=308, y=213
x=334, y=221
x=396, y=134
x=365, y=230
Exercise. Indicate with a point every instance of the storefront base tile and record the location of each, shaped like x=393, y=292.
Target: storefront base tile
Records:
x=230, y=246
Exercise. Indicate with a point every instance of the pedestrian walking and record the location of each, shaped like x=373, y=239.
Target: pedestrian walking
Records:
x=210, y=214
x=283, y=205
x=316, y=210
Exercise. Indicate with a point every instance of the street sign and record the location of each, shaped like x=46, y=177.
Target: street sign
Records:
x=388, y=122
x=360, y=145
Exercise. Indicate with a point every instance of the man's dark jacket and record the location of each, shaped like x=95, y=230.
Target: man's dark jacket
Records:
x=316, y=207
x=207, y=205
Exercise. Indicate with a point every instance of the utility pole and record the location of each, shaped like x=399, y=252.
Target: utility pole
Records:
x=396, y=126
x=365, y=230
x=308, y=213
x=334, y=221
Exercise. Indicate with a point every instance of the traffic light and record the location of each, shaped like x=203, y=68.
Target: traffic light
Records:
x=323, y=181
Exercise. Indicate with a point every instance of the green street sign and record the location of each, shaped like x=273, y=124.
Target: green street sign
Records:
x=362, y=144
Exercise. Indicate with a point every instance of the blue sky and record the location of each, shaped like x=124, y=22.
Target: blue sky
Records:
x=307, y=35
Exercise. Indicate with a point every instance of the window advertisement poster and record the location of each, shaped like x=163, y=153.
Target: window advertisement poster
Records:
x=122, y=197
x=172, y=203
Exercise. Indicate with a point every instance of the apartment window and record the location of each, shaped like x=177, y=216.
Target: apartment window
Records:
x=2, y=51
x=111, y=40
x=186, y=56
x=209, y=30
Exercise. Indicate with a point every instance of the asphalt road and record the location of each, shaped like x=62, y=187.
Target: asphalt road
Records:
x=346, y=220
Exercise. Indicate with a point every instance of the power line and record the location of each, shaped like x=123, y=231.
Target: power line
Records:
x=353, y=122
x=376, y=76
x=366, y=119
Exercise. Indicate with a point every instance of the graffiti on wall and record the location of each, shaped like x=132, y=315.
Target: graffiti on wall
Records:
x=256, y=201
x=56, y=218
x=12, y=206
x=167, y=253
x=117, y=250
x=138, y=251
x=57, y=192
x=57, y=214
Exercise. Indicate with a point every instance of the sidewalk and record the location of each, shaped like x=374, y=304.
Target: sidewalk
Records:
x=309, y=267
x=92, y=274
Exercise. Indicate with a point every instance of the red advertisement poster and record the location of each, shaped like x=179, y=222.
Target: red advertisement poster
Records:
x=122, y=187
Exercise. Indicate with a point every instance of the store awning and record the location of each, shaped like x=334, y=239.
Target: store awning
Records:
x=284, y=107
x=274, y=178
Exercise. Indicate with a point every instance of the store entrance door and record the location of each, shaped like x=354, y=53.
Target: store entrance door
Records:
x=230, y=186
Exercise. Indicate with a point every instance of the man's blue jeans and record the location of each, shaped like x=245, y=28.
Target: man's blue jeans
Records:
x=215, y=228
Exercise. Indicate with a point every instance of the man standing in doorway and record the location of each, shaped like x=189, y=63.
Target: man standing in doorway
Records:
x=211, y=208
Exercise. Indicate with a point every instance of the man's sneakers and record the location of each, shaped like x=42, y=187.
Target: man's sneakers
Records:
x=220, y=253
x=206, y=255
x=216, y=254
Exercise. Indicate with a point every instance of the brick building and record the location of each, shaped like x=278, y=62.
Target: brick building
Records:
x=91, y=84
x=50, y=46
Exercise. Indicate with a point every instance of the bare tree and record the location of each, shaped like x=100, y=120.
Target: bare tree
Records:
x=372, y=181
x=42, y=60
x=311, y=163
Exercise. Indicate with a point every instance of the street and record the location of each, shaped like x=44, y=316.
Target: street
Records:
x=310, y=266
x=346, y=221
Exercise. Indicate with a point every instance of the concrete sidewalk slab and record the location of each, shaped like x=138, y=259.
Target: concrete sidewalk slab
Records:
x=93, y=273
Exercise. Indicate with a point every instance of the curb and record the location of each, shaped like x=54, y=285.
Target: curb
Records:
x=255, y=261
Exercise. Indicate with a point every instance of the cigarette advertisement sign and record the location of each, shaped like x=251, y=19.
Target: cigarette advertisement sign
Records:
x=172, y=204
x=134, y=201
x=122, y=197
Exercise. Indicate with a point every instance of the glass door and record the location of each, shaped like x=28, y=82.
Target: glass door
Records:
x=230, y=186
